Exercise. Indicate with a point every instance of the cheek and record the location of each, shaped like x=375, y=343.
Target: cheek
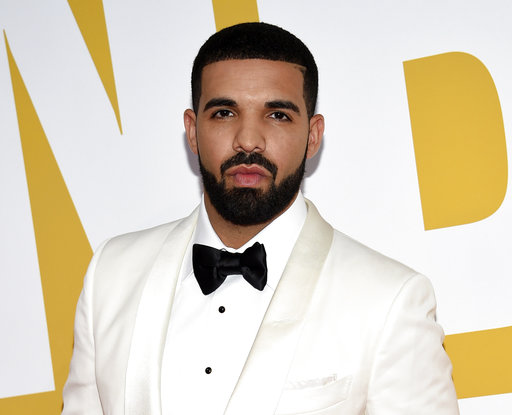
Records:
x=213, y=153
x=213, y=147
x=288, y=149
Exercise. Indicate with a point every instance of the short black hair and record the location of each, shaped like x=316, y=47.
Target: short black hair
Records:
x=257, y=41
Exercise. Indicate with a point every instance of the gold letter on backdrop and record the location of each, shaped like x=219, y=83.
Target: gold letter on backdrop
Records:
x=482, y=362
x=90, y=18
x=63, y=250
x=230, y=12
x=461, y=159
x=459, y=139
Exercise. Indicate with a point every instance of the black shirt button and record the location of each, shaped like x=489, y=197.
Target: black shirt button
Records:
x=208, y=370
x=222, y=309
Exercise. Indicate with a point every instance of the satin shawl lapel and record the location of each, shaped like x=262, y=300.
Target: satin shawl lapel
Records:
x=142, y=395
x=259, y=387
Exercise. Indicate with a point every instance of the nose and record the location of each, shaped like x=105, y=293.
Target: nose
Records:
x=249, y=136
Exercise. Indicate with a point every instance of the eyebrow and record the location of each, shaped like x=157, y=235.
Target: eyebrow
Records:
x=278, y=104
x=228, y=102
x=219, y=102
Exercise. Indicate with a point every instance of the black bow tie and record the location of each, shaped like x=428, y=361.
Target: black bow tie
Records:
x=212, y=266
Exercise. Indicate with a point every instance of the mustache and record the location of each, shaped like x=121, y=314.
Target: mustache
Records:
x=249, y=158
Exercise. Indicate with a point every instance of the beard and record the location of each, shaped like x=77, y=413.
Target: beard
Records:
x=248, y=206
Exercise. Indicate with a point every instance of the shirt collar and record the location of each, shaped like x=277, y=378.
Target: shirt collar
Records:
x=278, y=237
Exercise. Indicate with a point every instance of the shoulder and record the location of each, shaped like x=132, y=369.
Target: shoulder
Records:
x=142, y=245
x=142, y=242
x=369, y=280
x=126, y=260
x=348, y=252
x=121, y=265
x=351, y=262
x=363, y=288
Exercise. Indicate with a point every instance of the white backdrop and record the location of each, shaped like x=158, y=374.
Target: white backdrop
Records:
x=364, y=180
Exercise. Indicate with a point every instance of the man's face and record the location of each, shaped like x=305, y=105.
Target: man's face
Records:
x=252, y=135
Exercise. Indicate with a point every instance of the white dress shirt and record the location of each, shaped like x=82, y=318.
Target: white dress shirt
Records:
x=209, y=337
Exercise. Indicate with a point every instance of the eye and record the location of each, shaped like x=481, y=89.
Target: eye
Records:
x=280, y=116
x=222, y=114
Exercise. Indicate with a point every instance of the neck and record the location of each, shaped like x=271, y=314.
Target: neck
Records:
x=231, y=235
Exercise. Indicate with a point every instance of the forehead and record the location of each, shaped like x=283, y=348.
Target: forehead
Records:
x=256, y=78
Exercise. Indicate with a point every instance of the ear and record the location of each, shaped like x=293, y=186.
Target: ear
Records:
x=189, y=120
x=316, y=133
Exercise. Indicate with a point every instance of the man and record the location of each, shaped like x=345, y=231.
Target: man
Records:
x=300, y=320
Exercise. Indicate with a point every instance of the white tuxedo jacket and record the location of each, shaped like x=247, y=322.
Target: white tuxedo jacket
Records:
x=348, y=332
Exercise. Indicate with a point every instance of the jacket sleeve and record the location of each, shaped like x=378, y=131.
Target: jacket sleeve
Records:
x=411, y=373
x=80, y=393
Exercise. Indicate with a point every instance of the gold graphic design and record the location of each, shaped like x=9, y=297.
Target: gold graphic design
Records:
x=63, y=250
x=459, y=138
x=90, y=17
x=230, y=12
x=482, y=362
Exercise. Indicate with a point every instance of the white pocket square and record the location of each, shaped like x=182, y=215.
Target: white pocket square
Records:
x=302, y=396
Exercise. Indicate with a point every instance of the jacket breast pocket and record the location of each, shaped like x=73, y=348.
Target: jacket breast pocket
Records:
x=310, y=396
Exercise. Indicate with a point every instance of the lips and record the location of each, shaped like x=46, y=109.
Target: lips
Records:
x=247, y=176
